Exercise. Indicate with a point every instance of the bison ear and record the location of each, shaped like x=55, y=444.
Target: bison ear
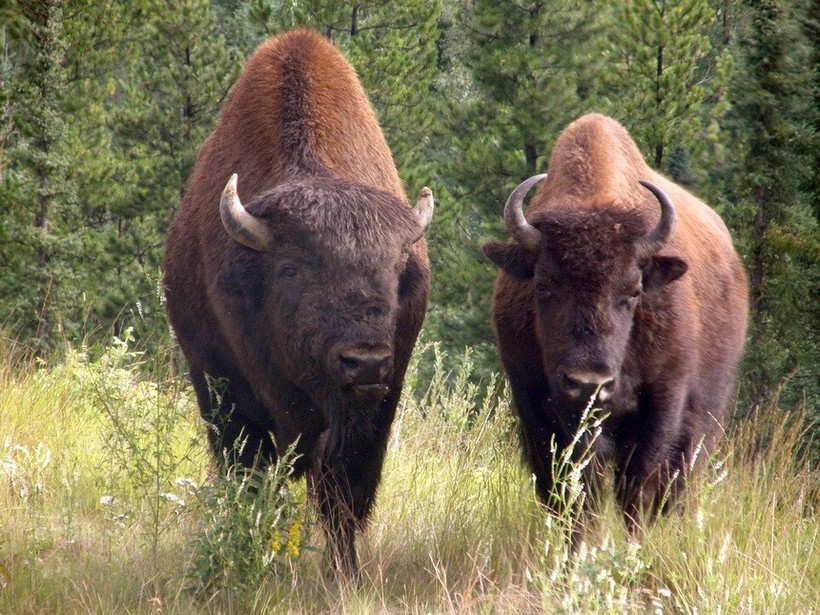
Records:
x=662, y=270
x=512, y=258
x=411, y=277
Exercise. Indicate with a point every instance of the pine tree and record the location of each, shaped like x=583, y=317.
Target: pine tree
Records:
x=810, y=25
x=161, y=105
x=771, y=203
x=518, y=72
x=662, y=79
x=107, y=105
x=37, y=183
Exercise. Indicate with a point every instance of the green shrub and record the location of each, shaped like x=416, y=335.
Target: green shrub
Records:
x=253, y=524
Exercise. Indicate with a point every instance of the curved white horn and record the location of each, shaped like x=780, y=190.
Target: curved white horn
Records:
x=244, y=228
x=666, y=225
x=424, y=209
x=521, y=230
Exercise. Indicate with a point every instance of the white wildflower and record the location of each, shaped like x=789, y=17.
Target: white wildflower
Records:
x=172, y=497
x=186, y=484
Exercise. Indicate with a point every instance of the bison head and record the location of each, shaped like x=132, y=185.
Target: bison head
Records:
x=311, y=285
x=587, y=274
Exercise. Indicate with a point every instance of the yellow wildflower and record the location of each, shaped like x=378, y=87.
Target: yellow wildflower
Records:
x=294, y=538
x=276, y=541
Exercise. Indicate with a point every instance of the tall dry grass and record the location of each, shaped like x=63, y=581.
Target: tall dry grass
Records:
x=108, y=504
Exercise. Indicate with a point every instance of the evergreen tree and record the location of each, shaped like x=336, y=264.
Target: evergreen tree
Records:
x=37, y=185
x=107, y=105
x=809, y=17
x=661, y=79
x=103, y=107
x=518, y=72
x=11, y=28
x=161, y=106
x=771, y=203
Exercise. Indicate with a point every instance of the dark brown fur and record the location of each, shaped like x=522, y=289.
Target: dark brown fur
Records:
x=670, y=328
x=266, y=333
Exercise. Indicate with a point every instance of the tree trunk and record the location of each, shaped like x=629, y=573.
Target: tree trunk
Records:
x=44, y=74
x=531, y=156
x=41, y=222
x=658, y=102
x=756, y=297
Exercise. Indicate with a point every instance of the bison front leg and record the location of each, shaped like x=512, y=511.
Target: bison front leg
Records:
x=544, y=448
x=225, y=404
x=650, y=468
x=643, y=497
x=334, y=499
x=344, y=484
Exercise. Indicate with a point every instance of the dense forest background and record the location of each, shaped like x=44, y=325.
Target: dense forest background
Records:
x=103, y=105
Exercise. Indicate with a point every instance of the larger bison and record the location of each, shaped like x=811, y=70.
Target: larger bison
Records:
x=620, y=282
x=298, y=291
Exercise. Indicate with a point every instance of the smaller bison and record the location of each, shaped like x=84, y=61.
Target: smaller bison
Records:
x=297, y=279
x=617, y=282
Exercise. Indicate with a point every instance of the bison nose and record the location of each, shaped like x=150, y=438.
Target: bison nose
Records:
x=362, y=367
x=582, y=384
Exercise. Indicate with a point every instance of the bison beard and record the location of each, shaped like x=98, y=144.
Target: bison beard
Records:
x=298, y=310
x=639, y=298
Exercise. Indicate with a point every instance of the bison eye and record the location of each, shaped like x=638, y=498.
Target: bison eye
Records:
x=287, y=271
x=541, y=291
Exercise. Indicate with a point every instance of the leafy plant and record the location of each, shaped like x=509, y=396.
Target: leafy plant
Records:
x=139, y=424
x=254, y=524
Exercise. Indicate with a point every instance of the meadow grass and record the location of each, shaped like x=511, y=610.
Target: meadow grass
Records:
x=109, y=504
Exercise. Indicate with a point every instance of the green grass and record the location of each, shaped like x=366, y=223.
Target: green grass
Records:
x=108, y=504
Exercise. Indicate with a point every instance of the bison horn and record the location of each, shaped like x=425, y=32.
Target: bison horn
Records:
x=521, y=230
x=424, y=210
x=242, y=226
x=658, y=238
